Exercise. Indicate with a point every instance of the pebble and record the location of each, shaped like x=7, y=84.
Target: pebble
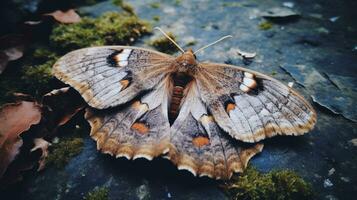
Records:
x=331, y=171
x=288, y=4
x=327, y=183
x=345, y=179
x=330, y=197
x=334, y=19
x=354, y=142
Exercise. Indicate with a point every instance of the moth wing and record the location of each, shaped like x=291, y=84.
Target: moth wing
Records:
x=251, y=106
x=199, y=145
x=108, y=76
x=139, y=129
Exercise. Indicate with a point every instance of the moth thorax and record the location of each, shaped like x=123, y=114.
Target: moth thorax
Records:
x=186, y=63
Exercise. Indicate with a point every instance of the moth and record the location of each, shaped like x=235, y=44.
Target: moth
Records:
x=207, y=118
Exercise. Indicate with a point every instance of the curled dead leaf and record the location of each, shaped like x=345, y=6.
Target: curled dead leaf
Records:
x=246, y=55
x=68, y=17
x=63, y=104
x=41, y=144
x=15, y=119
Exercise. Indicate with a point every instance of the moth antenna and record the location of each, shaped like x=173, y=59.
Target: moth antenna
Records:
x=215, y=42
x=168, y=37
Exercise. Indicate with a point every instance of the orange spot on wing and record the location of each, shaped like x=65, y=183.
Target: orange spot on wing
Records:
x=124, y=83
x=230, y=107
x=200, y=141
x=140, y=128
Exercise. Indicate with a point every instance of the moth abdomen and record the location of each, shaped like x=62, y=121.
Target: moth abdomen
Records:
x=180, y=81
x=177, y=95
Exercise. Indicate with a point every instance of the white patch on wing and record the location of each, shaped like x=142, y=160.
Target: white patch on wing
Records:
x=122, y=58
x=248, y=75
x=146, y=156
x=244, y=88
x=123, y=63
x=248, y=82
x=188, y=168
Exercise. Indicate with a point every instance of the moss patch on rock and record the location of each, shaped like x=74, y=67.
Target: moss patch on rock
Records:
x=62, y=152
x=126, y=7
x=266, y=25
x=111, y=28
x=164, y=45
x=278, y=184
x=155, y=5
x=98, y=193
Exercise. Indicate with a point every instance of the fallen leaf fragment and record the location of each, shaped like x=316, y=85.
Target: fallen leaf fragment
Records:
x=246, y=55
x=63, y=104
x=15, y=118
x=32, y=23
x=67, y=17
x=277, y=13
x=43, y=145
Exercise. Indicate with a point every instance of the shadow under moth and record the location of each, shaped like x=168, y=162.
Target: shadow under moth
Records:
x=207, y=118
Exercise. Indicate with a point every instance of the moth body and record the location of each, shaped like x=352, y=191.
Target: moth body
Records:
x=180, y=82
x=186, y=63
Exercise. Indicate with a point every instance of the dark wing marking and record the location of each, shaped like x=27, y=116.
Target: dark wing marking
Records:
x=112, y=75
x=201, y=147
x=251, y=106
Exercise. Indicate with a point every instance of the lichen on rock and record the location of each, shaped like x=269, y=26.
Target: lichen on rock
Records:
x=98, y=193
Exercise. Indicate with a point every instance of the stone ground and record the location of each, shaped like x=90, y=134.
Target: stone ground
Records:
x=318, y=51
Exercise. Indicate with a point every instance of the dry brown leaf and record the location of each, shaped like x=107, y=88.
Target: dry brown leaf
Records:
x=63, y=103
x=15, y=118
x=43, y=145
x=67, y=17
x=246, y=55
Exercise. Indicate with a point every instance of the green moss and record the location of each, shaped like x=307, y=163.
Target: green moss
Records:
x=36, y=72
x=111, y=28
x=156, y=18
x=178, y=2
x=126, y=7
x=191, y=43
x=279, y=185
x=101, y=193
x=38, y=75
x=44, y=54
x=162, y=44
x=62, y=152
x=231, y=4
x=273, y=73
x=265, y=25
x=155, y=5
